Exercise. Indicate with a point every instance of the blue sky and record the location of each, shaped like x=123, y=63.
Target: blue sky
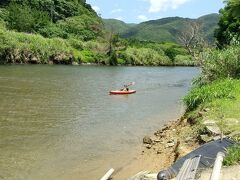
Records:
x=135, y=11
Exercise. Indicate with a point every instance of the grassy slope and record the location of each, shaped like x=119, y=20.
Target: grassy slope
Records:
x=222, y=98
x=117, y=26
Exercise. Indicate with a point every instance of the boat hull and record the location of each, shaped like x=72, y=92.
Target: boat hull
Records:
x=122, y=92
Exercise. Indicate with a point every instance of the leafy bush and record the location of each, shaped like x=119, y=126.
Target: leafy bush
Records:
x=220, y=64
x=207, y=93
x=184, y=60
x=88, y=56
x=144, y=56
x=53, y=31
x=84, y=26
x=2, y=24
x=227, y=32
x=57, y=9
x=113, y=60
x=25, y=48
x=25, y=19
x=3, y=13
x=77, y=44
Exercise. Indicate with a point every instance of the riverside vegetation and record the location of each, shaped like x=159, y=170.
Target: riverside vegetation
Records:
x=71, y=32
x=212, y=112
x=217, y=90
x=214, y=99
x=67, y=32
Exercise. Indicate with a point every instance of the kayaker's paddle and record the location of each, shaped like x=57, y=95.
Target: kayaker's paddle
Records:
x=130, y=84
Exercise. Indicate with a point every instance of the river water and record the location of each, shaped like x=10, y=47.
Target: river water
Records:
x=59, y=122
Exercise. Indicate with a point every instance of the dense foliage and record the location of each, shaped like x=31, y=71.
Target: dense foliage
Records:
x=228, y=32
x=59, y=31
x=217, y=90
x=220, y=64
x=56, y=9
x=53, y=18
x=219, y=67
x=25, y=19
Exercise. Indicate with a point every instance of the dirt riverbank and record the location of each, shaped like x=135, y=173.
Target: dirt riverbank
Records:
x=162, y=149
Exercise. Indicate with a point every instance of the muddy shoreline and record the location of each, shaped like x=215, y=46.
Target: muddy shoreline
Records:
x=162, y=149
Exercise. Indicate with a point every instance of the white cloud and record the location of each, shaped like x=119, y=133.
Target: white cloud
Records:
x=163, y=5
x=142, y=18
x=116, y=10
x=119, y=18
x=96, y=8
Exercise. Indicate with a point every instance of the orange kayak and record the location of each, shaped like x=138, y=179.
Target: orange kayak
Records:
x=118, y=92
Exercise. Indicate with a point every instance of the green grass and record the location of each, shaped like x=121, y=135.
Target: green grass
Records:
x=14, y=45
x=233, y=156
x=223, y=100
x=206, y=94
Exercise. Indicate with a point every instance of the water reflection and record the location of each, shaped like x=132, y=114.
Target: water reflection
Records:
x=60, y=121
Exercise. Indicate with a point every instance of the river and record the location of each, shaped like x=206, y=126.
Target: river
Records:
x=59, y=122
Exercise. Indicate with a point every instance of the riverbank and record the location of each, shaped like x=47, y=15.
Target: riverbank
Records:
x=216, y=115
x=162, y=149
x=26, y=48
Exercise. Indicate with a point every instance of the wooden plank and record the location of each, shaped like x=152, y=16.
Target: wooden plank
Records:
x=189, y=169
x=217, y=166
x=108, y=174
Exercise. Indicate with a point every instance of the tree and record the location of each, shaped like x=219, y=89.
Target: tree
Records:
x=25, y=19
x=111, y=52
x=228, y=31
x=235, y=7
x=191, y=38
x=56, y=9
x=113, y=58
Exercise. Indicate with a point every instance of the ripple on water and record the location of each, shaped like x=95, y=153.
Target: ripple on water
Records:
x=60, y=122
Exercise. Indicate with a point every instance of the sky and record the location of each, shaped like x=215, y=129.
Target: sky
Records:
x=136, y=11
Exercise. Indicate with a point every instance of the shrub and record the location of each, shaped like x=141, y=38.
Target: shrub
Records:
x=25, y=19
x=88, y=56
x=84, y=26
x=77, y=44
x=3, y=13
x=145, y=56
x=22, y=48
x=184, y=60
x=220, y=64
x=113, y=61
x=53, y=31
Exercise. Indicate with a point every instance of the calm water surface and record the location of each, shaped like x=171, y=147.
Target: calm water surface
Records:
x=58, y=122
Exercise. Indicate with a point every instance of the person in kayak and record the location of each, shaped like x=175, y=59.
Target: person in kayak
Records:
x=125, y=88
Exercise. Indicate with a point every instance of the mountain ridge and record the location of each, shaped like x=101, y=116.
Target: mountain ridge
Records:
x=164, y=29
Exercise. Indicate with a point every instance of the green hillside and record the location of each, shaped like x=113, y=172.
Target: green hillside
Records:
x=52, y=31
x=52, y=18
x=71, y=32
x=117, y=26
x=165, y=29
x=209, y=24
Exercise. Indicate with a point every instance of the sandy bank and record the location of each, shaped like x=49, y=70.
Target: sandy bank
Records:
x=159, y=151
